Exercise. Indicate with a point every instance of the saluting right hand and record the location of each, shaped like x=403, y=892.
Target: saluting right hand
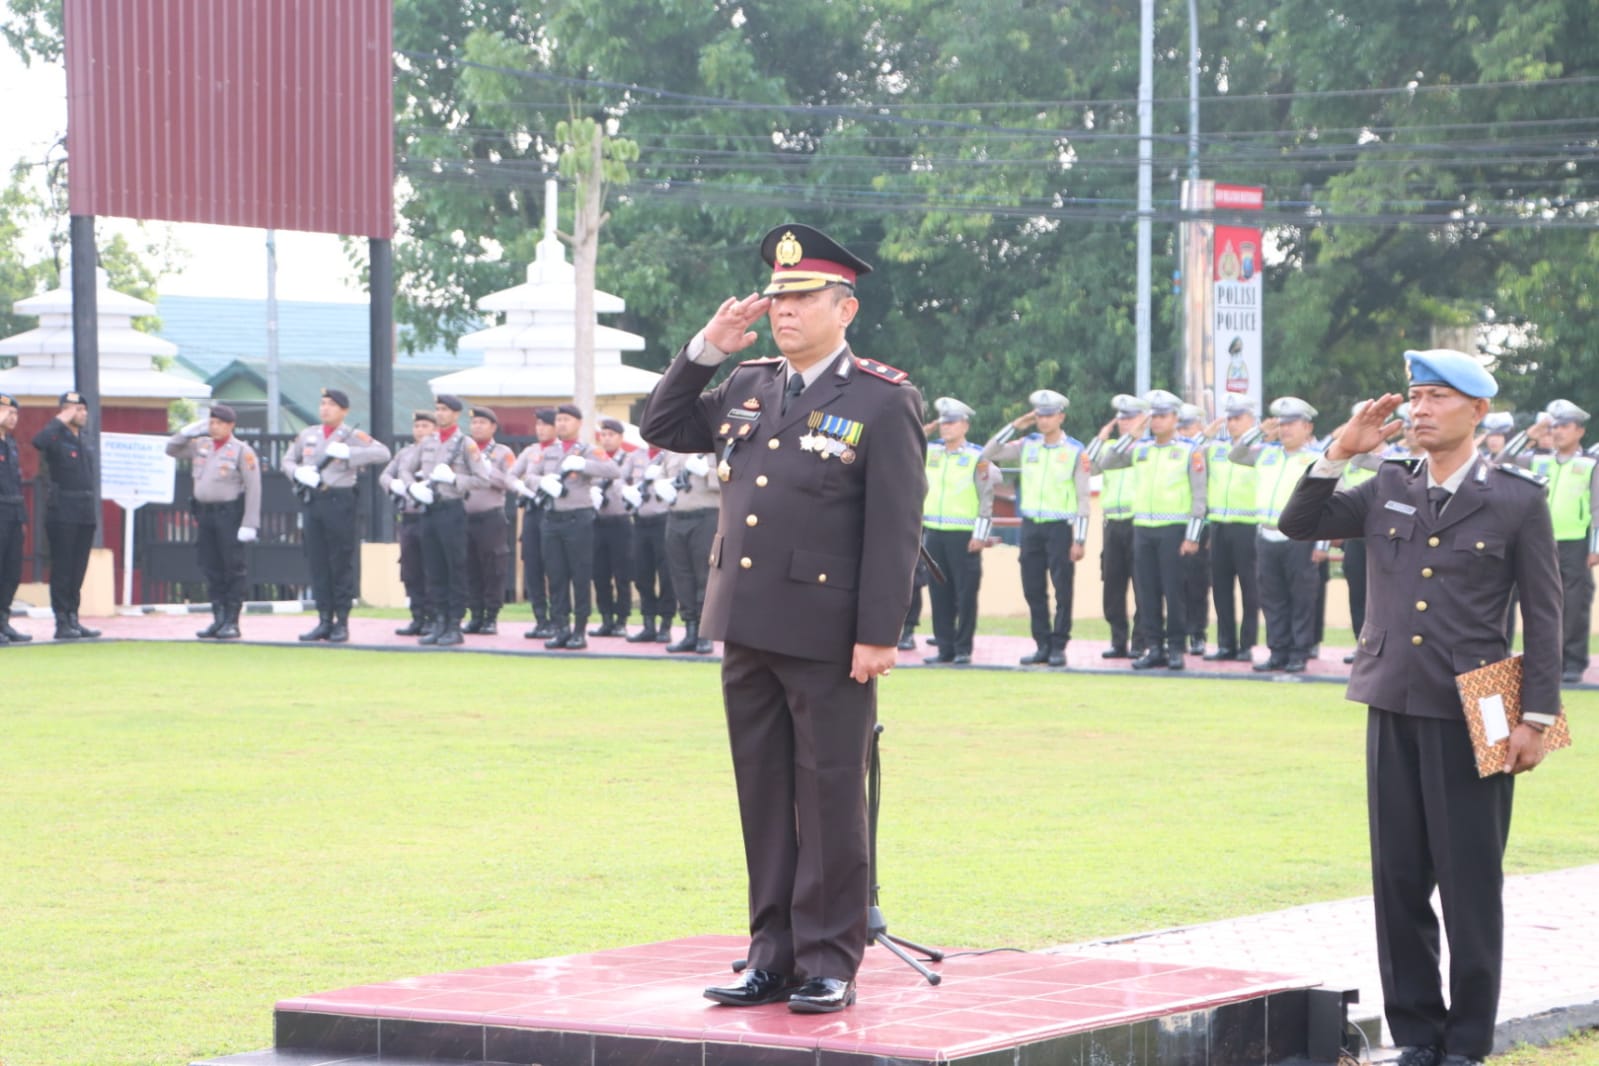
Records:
x=729, y=329
x=1366, y=430
x=196, y=429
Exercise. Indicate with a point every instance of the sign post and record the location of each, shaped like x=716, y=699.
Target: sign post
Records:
x=134, y=470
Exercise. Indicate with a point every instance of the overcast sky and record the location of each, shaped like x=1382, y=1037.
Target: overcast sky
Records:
x=221, y=260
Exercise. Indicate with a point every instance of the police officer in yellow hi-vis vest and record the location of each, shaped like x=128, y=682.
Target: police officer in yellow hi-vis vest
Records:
x=1573, y=499
x=956, y=517
x=1168, y=518
x=1280, y=451
x=1116, y=555
x=1230, y=494
x=1054, y=509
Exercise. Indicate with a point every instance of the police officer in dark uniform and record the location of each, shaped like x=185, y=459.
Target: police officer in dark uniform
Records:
x=1449, y=535
x=71, y=509
x=652, y=570
x=488, y=542
x=523, y=471
x=324, y=462
x=227, y=508
x=408, y=524
x=613, y=535
x=568, y=470
x=13, y=519
x=821, y=462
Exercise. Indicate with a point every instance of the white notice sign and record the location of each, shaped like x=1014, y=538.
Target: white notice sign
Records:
x=136, y=469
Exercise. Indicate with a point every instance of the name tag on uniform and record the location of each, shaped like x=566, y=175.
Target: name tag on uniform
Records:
x=1402, y=508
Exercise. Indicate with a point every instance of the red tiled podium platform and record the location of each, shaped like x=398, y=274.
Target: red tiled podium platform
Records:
x=643, y=1005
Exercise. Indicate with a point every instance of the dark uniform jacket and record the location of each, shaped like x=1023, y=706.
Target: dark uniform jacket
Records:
x=1439, y=588
x=11, y=509
x=74, y=474
x=817, y=540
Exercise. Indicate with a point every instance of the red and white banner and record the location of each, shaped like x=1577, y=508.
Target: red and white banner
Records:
x=1237, y=329
x=1222, y=293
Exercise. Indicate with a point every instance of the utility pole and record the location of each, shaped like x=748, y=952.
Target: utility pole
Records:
x=272, y=398
x=1146, y=120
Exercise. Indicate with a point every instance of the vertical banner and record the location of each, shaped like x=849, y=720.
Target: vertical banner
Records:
x=1238, y=319
x=1222, y=297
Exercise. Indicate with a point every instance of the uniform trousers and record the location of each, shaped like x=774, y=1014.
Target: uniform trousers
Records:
x=1196, y=587
x=1434, y=822
x=11, y=530
x=444, y=559
x=1319, y=624
x=651, y=573
x=488, y=553
x=70, y=543
x=689, y=536
x=1355, y=578
x=1576, y=583
x=1158, y=580
x=1116, y=571
x=613, y=565
x=800, y=732
x=1232, y=558
x=1046, y=556
x=534, y=582
x=954, y=601
x=221, y=556
x=1289, y=582
x=330, y=546
x=568, y=541
x=408, y=530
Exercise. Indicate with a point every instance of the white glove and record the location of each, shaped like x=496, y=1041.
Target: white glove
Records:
x=397, y=486
x=421, y=493
x=652, y=472
x=697, y=466
x=665, y=491
x=574, y=464
x=307, y=476
x=597, y=495
x=197, y=429
x=518, y=486
x=632, y=496
x=247, y=535
x=443, y=474
x=551, y=485
x=339, y=450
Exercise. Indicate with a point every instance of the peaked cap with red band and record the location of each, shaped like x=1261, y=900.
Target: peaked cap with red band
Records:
x=804, y=259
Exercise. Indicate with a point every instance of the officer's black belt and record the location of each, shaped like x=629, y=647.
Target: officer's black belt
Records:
x=331, y=489
x=201, y=506
x=611, y=517
x=438, y=506
x=649, y=519
x=567, y=516
x=473, y=516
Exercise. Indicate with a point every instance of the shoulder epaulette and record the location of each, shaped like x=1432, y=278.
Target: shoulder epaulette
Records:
x=1409, y=462
x=1523, y=474
x=882, y=370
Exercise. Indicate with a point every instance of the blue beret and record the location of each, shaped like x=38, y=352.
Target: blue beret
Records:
x=1459, y=371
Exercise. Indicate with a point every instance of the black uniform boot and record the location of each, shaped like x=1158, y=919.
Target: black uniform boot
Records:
x=417, y=626
x=491, y=624
x=1174, y=655
x=216, y=622
x=558, y=637
x=450, y=634
x=663, y=632
x=432, y=630
x=474, y=623
x=577, y=641
x=690, y=641
x=324, y=626
x=89, y=634
x=702, y=645
x=230, y=622
x=9, y=633
x=1222, y=654
x=540, y=630
x=645, y=635
x=907, y=637
x=1057, y=652
x=606, y=628
x=1115, y=651
x=1155, y=656
x=339, y=633
x=1039, y=657
x=65, y=630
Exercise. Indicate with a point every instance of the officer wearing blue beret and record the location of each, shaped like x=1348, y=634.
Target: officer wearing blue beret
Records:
x=1450, y=535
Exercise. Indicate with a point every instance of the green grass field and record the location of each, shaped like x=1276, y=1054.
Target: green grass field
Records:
x=189, y=833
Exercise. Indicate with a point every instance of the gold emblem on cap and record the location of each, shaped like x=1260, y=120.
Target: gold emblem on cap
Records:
x=788, y=250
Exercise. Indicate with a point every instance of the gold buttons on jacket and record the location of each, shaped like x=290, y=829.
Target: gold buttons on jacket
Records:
x=745, y=562
x=751, y=520
x=772, y=443
x=1432, y=542
x=1392, y=531
x=761, y=481
x=1416, y=639
x=1481, y=545
x=821, y=579
x=1421, y=605
x=1426, y=571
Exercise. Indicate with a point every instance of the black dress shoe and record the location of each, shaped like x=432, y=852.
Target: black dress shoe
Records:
x=1038, y=658
x=934, y=660
x=962, y=660
x=822, y=995
x=1150, y=659
x=1422, y=1055
x=1245, y=655
x=1348, y=659
x=1270, y=665
x=752, y=989
x=1115, y=651
x=1571, y=677
x=1295, y=665
x=1196, y=645
x=1220, y=655
x=577, y=641
x=558, y=638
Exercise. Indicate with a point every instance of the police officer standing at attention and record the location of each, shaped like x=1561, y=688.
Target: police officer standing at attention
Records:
x=1457, y=533
x=13, y=519
x=523, y=471
x=1116, y=492
x=227, y=508
x=408, y=524
x=488, y=545
x=449, y=465
x=1168, y=518
x=1230, y=494
x=690, y=486
x=956, y=518
x=821, y=460
x=1054, y=502
x=1196, y=567
x=71, y=509
x=1361, y=468
x=568, y=470
x=325, y=461
x=613, y=535
x=652, y=573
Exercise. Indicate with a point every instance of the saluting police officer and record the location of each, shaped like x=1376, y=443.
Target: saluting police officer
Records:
x=1053, y=503
x=613, y=535
x=652, y=572
x=227, y=508
x=1230, y=495
x=408, y=524
x=525, y=469
x=568, y=470
x=1117, y=490
x=1196, y=567
x=13, y=519
x=438, y=475
x=488, y=544
x=325, y=461
x=821, y=461
x=1451, y=534
x=956, y=519
x=71, y=509
x=691, y=488
x=1168, y=518
x=1361, y=468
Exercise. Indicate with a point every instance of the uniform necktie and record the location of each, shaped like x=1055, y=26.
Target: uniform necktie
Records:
x=796, y=385
x=1438, y=496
